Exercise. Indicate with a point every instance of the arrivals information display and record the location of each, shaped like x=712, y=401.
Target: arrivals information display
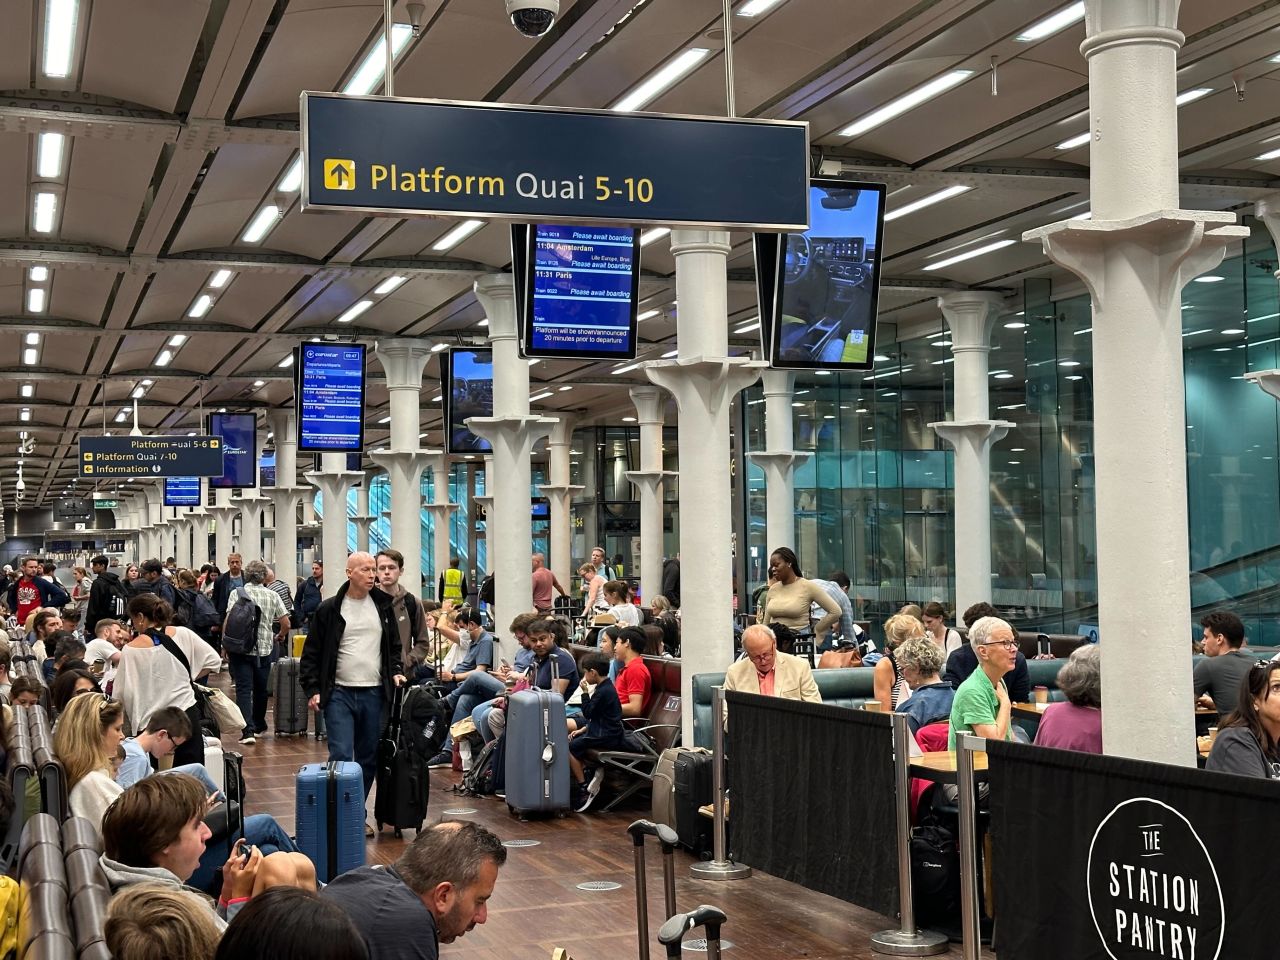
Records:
x=330, y=397
x=239, y=433
x=182, y=491
x=580, y=296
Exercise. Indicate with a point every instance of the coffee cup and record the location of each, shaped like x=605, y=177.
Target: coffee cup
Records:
x=1042, y=694
x=1213, y=734
x=872, y=705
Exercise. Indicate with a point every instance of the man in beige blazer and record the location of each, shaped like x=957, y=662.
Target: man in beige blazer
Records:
x=765, y=670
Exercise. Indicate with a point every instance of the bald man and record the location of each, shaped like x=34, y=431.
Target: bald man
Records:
x=544, y=581
x=763, y=669
x=351, y=664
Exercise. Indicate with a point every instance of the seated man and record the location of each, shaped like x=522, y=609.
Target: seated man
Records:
x=1217, y=677
x=982, y=704
x=963, y=661
x=766, y=670
x=436, y=892
x=508, y=674
x=154, y=832
x=103, y=652
x=553, y=667
x=473, y=676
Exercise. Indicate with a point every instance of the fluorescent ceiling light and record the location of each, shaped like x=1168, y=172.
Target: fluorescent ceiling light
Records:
x=260, y=383
x=59, y=37
x=970, y=254
x=485, y=323
x=49, y=155
x=565, y=388
x=120, y=418
x=667, y=76
x=138, y=393
x=1190, y=96
x=436, y=398
x=355, y=310
x=1015, y=325
x=669, y=354
x=201, y=306
x=1081, y=333
x=25, y=415
x=164, y=358
x=286, y=362
x=177, y=340
x=220, y=279
x=146, y=383
x=33, y=339
x=28, y=390
x=540, y=396
x=649, y=236
x=38, y=274
x=1068, y=363
x=29, y=356
x=1269, y=155
x=372, y=68
x=1209, y=278
x=753, y=8
x=908, y=101
x=1004, y=376
x=748, y=327
x=457, y=234
x=1074, y=142
x=261, y=224
x=438, y=347
x=35, y=300
x=1053, y=23
x=386, y=419
x=945, y=194
x=1232, y=331
x=387, y=285
x=625, y=368
x=291, y=182
x=46, y=208
x=648, y=315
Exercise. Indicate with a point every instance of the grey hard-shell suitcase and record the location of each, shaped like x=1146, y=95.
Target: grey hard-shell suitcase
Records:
x=290, y=702
x=663, y=809
x=537, y=753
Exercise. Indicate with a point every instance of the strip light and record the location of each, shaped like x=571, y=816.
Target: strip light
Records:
x=1074, y=142
x=387, y=285
x=286, y=362
x=38, y=274
x=648, y=315
x=220, y=279
x=1190, y=96
x=1269, y=155
x=457, y=234
x=908, y=101
x=291, y=182
x=649, y=236
x=59, y=37
x=944, y=194
x=36, y=300
x=49, y=155
x=261, y=224
x=970, y=254
x=1054, y=23
x=45, y=212
x=355, y=310
x=374, y=65
x=658, y=82
x=200, y=307
x=753, y=8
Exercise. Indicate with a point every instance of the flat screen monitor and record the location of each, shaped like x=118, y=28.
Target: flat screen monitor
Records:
x=579, y=291
x=182, y=491
x=329, y=395
x=541, y=509
x=239, y=433
x=468, y=392
x=267, y=470
x=828, y=280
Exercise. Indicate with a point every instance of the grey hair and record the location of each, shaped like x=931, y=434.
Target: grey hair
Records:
x=922, y=654
x=450, y=852
x=1081, y=676
x=981, y=631
x=255, y=571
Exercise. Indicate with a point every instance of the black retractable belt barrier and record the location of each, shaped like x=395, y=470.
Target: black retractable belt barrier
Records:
x=813, y=797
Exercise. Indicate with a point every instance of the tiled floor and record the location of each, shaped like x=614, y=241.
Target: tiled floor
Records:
x=537, y=904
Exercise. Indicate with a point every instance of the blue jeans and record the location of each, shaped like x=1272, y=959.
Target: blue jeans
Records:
x=480, y=716
x=249, y=674
x=475, y=690
x=353, y=717
x=261, y=831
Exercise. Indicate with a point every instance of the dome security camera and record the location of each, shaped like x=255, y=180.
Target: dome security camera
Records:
x=533, y=18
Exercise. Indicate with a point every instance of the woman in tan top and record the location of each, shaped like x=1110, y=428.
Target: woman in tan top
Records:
x=790, y=597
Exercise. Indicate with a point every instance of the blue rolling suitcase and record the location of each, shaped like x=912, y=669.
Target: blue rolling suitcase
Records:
x=537, y=753
x=330, y=817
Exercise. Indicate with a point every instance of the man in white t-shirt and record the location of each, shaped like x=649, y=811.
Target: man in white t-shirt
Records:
x=103, y=651
x=351, y=664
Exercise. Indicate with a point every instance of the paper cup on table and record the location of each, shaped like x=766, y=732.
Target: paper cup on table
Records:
x=872, y=705
x=1042, y=694
x=1213, y=734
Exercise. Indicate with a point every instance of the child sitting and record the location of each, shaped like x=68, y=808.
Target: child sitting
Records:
x=604, y=730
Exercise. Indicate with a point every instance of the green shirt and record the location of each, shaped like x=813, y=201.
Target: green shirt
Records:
x=975, y=702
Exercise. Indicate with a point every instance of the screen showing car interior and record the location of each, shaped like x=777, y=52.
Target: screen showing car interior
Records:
x=829, y=280
x=580, y=295
x=469, y=380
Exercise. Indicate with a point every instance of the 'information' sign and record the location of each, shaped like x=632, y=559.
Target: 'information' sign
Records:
x=150, y=457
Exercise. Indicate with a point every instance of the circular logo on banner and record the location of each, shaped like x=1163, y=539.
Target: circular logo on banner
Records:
x=1153, y=891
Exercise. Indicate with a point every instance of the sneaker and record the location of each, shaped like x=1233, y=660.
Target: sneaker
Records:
x=249, y=738
x=442, y=759
x=597, y=778
x=368, y=831
x=582, y=798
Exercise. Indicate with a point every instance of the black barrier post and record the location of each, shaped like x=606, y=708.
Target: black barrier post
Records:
x=907, y=941
x=720, y=868
x=971, y=936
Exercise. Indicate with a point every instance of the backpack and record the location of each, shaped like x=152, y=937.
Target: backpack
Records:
x=487, y=773
x=935, y=875
x=118, y=596
x=487, y=590
x=240, y=629
x=196, y=611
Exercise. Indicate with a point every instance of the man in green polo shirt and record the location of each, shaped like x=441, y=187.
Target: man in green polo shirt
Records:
x=981, y=704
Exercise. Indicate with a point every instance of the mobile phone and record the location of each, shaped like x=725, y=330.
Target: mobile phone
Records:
x=506, y=664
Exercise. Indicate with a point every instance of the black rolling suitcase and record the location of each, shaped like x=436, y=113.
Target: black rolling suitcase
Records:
x=290, y=703
x=416, y=728
x=693, y=787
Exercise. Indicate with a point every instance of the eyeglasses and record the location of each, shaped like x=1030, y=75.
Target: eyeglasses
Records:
x=1007, y=644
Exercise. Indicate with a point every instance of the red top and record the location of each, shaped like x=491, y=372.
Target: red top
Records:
x=542, y=581
x=634, y=678
x=28, y=600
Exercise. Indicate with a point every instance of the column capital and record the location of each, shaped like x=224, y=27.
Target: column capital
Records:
x=648, y=481
x=976, y=433
x=444, y=509
x=281, y=421
x=778, y=383
x=970, y=317
x=1268, y=381
x=1268, y=211
x=181, y=521
x=497, y=295
x=1180, y=244
x=403, y=360
x=517, y=433
x=711, y=381
x=555, y=491
x=562, y=433
x=700, y=241
x=649, y=402
x=778, y=459
x=1113, y=22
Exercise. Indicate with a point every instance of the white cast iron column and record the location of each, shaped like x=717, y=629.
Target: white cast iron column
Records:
x=560, y=493
x=333, y=480
x=650, y=403
x=704, y=380
x=181, y=524
x=779, y=460
x=223, y=514
x=441, y=511
x=970, y=315
x=1135, y=255
x=363, y=519
x=287, y=493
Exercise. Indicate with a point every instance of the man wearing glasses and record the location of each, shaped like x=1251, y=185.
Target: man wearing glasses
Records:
x=982, y=702
x=766, y=671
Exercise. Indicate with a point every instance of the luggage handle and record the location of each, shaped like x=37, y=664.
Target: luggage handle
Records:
x=673, y=931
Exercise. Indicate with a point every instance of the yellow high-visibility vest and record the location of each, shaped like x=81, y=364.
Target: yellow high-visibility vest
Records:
x=453, y=584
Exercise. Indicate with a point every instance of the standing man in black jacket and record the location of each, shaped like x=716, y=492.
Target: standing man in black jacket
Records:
x=107, y=586
x=351, y=665
x=307, y=600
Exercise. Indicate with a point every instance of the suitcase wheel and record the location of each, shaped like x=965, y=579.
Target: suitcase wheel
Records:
x=379, y=826
x=399, y=833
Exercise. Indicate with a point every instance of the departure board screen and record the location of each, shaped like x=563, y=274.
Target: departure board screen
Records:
x=182, y=491
x=581, y=292
x=330, y=396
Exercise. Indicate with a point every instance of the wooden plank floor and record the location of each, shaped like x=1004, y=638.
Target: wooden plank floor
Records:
x=537, y=905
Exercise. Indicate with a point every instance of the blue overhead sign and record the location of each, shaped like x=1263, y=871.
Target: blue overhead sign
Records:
x=182, y=491
x=330, y=397
x=151, y=456
x=401, y=157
